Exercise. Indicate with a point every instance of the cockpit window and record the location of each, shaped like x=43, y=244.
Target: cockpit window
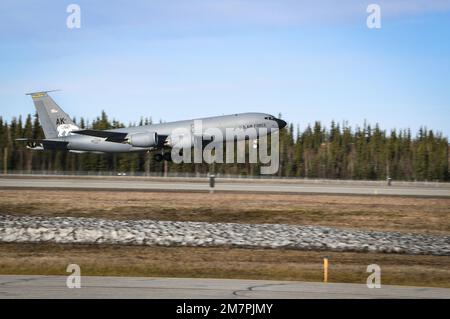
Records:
x=269, y=118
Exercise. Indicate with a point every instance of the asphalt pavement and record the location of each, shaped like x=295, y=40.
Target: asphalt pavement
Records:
x=12, y=286
x=265, y=186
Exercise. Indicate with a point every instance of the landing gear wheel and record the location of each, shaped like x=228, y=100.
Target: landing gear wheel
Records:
x=167, y=157
x=158, y=157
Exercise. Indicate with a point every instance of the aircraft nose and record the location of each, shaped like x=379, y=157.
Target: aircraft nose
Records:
x=281, y=123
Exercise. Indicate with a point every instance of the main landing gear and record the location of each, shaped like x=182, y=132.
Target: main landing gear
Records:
x=165, y=156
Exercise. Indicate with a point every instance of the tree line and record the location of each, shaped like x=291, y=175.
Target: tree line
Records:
x=334, y=152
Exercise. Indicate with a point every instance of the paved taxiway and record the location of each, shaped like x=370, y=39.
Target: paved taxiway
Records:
x=224, y=185
x=12, y=286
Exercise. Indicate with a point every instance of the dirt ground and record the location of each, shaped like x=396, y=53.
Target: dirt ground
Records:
x=52, y=259
x=406, y=214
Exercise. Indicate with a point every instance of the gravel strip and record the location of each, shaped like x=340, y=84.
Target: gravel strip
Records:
x=169, y=233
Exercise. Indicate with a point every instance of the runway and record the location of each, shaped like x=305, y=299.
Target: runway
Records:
x=267, y=186
x=52, y=287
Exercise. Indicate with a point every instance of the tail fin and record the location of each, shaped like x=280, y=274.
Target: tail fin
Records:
x=54, y=120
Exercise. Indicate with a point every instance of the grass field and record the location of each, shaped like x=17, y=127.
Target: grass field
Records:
x=406, y=214
x=52, y=259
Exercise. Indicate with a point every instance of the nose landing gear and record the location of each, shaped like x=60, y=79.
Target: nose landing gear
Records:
x=158, y=157
x=165, y=156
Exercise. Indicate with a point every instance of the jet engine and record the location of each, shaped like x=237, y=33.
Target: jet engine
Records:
x=32, y=145
x=149, y=139
x=180, y=141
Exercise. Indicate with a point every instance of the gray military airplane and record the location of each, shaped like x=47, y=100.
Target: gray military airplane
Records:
x=61, y=133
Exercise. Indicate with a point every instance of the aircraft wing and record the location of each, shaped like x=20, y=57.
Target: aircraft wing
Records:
x=117, y=137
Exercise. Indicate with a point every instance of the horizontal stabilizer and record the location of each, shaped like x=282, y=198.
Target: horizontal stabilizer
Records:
x=24, y=139
x=117, y=137
x=46, y=144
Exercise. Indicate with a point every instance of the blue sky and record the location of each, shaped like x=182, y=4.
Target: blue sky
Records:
x=171, y=60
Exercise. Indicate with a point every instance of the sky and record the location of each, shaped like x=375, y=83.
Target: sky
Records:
x=172, y=60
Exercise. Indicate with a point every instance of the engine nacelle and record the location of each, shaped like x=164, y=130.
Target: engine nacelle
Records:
x=149, y=139
x=31, y=145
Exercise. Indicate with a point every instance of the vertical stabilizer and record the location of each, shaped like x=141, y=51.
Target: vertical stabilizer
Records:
x=54, y=121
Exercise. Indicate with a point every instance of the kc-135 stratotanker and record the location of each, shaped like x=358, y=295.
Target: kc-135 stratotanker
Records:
x=61, y=133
